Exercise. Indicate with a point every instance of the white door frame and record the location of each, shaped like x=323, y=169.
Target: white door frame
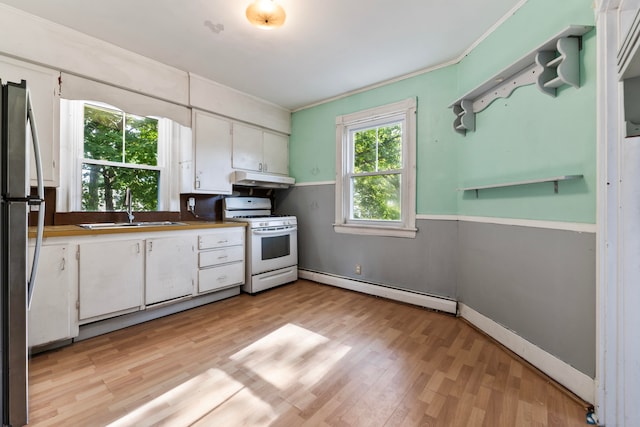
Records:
x=618, y=236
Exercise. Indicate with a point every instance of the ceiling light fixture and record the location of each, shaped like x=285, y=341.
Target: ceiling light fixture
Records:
x=266, y=14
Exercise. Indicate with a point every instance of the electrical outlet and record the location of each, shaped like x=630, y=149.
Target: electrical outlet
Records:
x=191, y=204
x=358, y=269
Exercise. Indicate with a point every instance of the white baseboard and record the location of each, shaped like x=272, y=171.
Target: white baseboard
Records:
x=434, y=303
x=577, y=382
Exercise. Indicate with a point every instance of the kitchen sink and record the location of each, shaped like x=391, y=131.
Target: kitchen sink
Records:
x=106, y=225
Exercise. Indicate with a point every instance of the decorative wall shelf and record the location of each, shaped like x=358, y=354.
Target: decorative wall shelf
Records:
x=551, y=65
x=554, y=179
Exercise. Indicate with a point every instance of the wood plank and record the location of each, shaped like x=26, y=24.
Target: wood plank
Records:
x=300, y=354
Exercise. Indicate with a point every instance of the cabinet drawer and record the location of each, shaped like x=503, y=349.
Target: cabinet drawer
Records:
x=213, y=278
x=228, y=237
x=221, y=256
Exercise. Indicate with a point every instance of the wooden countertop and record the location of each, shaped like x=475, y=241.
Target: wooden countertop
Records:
x=75, y=230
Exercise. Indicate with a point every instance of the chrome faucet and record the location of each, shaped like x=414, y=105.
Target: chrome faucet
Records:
x=128, y=202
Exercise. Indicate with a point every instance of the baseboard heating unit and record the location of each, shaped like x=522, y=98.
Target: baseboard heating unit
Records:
x=415, y=298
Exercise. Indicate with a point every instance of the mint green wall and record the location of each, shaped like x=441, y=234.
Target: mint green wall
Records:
x=526, y=136
x=313, y=137
x=531, y=135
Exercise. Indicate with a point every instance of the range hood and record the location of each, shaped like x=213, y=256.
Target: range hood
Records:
x=262, y=180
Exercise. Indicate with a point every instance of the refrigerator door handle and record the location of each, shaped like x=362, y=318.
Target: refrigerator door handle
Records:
x=40, y=231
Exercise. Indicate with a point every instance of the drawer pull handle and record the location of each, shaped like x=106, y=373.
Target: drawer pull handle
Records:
x=223, y=241
x=222, y=278
x=223, y=257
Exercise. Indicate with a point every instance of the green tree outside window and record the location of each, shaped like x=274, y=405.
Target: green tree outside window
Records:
x=376, y=177
x=120, y=151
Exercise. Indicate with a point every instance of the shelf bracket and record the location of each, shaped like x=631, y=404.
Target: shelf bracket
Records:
x=465, y=117
x=559, y=66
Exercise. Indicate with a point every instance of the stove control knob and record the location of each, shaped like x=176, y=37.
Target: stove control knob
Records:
x=263, y=224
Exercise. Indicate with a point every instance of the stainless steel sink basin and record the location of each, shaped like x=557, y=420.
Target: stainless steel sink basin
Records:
x=106, y=225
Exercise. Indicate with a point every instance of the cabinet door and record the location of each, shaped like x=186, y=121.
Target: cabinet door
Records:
x=170, y=268
x=111, y=277
x=247, y=147
x=42, y=84
x=212, y=140
x=52, y=315
x=275, y=151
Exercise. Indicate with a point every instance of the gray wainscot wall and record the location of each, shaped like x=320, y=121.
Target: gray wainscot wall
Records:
x=426, y=264
x=537, y=282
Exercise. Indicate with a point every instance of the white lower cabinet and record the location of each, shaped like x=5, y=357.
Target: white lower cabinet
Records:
x=169, y=268
x=52, y=315
x=111, y=278
x=221, y=259
x=220, y=277
x=86, y=279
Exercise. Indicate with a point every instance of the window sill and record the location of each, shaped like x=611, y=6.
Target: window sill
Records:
x=369, y=230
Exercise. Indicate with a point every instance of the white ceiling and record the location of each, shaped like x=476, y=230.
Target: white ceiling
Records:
x=325, y=48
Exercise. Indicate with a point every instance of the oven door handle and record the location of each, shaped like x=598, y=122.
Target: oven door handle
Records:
x=272, y=232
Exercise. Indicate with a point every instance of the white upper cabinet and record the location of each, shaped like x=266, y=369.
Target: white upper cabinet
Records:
x=211, y=156
x=275, y=152
x=247, y=147
x=43, y=85
x=260, y=150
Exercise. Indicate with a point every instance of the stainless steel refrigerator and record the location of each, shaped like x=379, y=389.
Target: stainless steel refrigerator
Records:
x=16, y=125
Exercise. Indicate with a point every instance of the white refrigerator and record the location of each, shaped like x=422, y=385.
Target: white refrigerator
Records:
x=17, y=133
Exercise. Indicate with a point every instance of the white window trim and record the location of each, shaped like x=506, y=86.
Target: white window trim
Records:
x=72, y=139
x=406, y=226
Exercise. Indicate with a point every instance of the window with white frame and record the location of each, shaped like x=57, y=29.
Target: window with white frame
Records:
x=375, y=186
x=112, y=151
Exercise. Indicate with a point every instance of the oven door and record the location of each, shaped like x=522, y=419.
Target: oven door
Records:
x=273, y=248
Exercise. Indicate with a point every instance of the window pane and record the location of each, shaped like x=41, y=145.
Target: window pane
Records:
x=377, y=149
x=390, y=147
x=364, y=147
x=103, y=188
x=376, y=197
x=141, y=140
x=102, y=134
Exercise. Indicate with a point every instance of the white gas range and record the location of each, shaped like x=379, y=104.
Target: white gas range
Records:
x=272, y=242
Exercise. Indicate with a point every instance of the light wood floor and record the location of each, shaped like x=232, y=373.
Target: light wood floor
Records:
x=299, y=355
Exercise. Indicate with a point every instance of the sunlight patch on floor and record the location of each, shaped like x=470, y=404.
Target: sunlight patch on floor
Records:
x=243, y=409
x=284, y=363
x=291, y=355
x=186, y=403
